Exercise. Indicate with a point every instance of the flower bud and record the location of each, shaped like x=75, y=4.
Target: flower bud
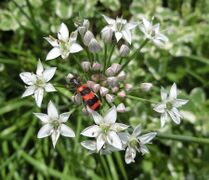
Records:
x=116, y=67
x=77, y=99
x=86, y=65
x=90, y=84
x=110, y=98
x=103, y=91
x=96, y=66
x=122, y=94
x=146, y=86
x=121, y=108
x=115, y=89
x=128, y=87
x=124, y=50
x=109, y=71
x=122, y=76
x=107, y=34
x=94, y=46
x=69, y=77
x=112, y=81
x=98, y=77
x=96, y=88
x=88, y=37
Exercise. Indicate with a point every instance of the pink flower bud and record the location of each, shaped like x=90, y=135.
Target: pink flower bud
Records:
x=103, y=91
x=112, y=81
x=94, y=46
x=96, y=88
x=146, y=86
x=88, y=37
x=116, y=67
x=98, y=77
x=124, y=50
x=109, y=98
x=122, y=76
x=128, y=87
x=86, y=65
x=109, y=71
x=107, y=34
x=96, y=66
x=115, y=89
x=121, y=108
x=122, y=94
x=90, y=84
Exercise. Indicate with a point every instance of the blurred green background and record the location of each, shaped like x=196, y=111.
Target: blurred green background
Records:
x=24, y=23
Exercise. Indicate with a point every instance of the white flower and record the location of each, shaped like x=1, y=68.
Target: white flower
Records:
x=120, y=27
x=153, y=33
x=64, y=45
x=53, y=124
x=105, y=129
x=135, y=143
x=168, y=106
x=38, y=83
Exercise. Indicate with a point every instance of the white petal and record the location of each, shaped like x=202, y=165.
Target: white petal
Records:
x=124, y=137
x=40, y=68
x=49, y=73
x=137, y=131
x=114, y=140
x=130, y=155
x=117, y=127
x=63, y=33
x=52, y=41
x=144, y=149
x=162, y=37
x=73, y=36
x=66, y=131
x=90, y=145
x=29, y=91
x=64, y=117
x=55, y=136
x=49, y=87
x=45, y=131
x=175, y=118
x=54, y=53
x=52, y=111
x=28, y=78
x=98, y=119
x=39, y=94
x=127, y=36
x=118, y=36
x=173, y=92
x=146, y=138
x=179, y=102
x=163, y=119
x=111, y=115
x=147, y=24
x=100, y=142
x=91, y=131
x=158, y=43
x=109, y=20
x=75, y=47
x=176, y=112
x=160, y=108
x=130, y=26
x=43, y=117
x=163, y=94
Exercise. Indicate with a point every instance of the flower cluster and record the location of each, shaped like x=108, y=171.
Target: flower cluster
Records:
x=106, y=85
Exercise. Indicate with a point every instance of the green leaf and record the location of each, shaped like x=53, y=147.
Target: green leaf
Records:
x=114, y=5
x=7, y=21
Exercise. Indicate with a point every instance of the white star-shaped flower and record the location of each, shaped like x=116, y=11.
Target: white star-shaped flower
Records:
x=168, y=106
x=120, y=27
x=38, y=83
x=153, y=33
x=106, y=129
x=53, y=124
x=64, y=45
x=135, y=142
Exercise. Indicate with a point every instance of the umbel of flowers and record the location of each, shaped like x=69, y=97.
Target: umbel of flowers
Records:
x=105, y=79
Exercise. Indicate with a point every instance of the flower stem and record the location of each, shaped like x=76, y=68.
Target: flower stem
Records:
x=183, y=138
x=140, y=99
x=113, y=47
x=105, y=57
x=131, y=57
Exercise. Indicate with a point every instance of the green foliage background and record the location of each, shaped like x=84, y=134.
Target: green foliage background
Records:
x=24, y=23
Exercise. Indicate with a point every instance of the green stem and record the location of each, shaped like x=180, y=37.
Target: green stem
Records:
x=120, y=60
x=111, y=52
x=105, y=57
x=140, y=99
x=183, y=138
x=134, y=54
